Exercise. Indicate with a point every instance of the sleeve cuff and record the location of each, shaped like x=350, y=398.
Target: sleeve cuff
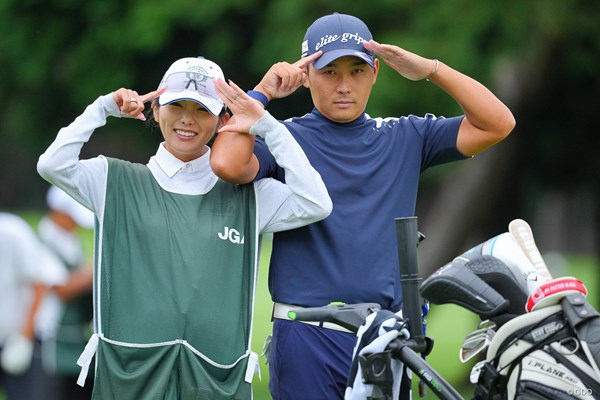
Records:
x=265, y=124
x=108, y=104
x=256, y=95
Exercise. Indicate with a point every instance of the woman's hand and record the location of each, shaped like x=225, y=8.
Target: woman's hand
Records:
x=132, y=104
x=246, y=111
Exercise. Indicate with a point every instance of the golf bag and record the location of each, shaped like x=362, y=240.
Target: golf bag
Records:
x=547, y=342
x=549, y=353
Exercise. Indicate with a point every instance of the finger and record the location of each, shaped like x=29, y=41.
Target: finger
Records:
x=140, y=116
x=290, y=76
x=230, y=93
x=375, y=47
x=369, y=44
x=236, y=87
x=225, y=92
x=285, y=80
x=386, y=51
x=242, y=104
x=128, y=108
x=122, y=97
x=238, y=93
x=136, y=114
x=153, y=95
x=304, y=61
x=295, y=81
x=221, y=86
x=133, y=106
x=129, y=100
x=229, y=128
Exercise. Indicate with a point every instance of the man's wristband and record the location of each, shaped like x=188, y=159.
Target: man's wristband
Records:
x=256, y=95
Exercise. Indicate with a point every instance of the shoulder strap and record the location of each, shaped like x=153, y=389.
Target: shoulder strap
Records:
x=578, y=310
x=585, y=321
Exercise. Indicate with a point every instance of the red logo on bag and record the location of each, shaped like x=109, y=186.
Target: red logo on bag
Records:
x=552, y=291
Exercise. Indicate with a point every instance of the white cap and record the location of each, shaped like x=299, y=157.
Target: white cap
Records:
x=58, y=200
x=190, y=78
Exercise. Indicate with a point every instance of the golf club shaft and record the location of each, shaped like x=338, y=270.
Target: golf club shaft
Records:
x=407, y=235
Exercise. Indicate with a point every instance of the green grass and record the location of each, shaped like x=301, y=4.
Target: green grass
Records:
x=446, y=324
x=262, y=321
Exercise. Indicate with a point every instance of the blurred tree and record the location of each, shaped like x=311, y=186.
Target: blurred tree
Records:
x=57, y=56
x=541, y=57
x=543, y=65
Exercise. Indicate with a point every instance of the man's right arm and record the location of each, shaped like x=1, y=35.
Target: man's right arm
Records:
x=232, y=154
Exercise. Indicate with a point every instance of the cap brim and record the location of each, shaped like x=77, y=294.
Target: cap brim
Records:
x=333, y=55
x=214, y=106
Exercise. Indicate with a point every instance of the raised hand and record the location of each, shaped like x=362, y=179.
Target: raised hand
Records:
x=246, y=111
x=409, y=65
x=283, y=78
x=132, y=104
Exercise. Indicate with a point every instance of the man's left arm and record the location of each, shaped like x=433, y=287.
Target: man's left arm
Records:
x=487, y=120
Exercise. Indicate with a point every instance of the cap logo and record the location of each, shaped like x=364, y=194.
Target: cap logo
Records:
x=198, y=70
x=193, y=79
x=305, y=48
x=343, y=38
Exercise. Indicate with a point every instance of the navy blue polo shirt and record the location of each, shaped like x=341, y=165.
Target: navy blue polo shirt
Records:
x=371, y=168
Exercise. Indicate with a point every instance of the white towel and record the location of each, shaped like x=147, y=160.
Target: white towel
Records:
x=378, y=330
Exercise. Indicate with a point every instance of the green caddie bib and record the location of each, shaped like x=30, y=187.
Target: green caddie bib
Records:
x=174, y=289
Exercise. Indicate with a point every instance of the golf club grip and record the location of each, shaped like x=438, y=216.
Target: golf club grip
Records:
x=407, y=236
x=454, y=283
x=316, y=314
x=349, y=316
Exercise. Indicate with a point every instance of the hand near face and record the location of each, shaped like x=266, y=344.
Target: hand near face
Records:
x=409, y=65
x=132, y=104
x=283, y=78
x=246, y=111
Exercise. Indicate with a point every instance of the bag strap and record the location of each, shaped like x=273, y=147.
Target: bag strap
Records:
x=587, y=380
x=577, y=310
x=562, y=333
x=585, y=321
x=491, y=383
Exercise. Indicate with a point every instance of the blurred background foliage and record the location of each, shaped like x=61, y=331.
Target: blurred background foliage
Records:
x=541, y=57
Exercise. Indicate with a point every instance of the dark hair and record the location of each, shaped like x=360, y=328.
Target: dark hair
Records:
x=149, y=114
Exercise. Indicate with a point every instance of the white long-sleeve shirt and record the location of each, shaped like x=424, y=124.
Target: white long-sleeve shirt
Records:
x=302, y=200
x=23, y=262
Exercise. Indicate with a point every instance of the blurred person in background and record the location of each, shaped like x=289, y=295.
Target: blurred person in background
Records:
x=64, y=321
x=27, y=270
